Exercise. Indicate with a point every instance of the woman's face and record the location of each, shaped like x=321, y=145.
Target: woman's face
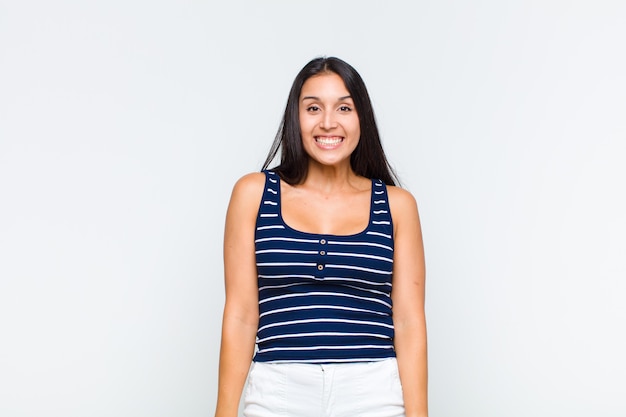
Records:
x=328, y=120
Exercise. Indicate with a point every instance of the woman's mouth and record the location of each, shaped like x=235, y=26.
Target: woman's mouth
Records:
x=329, y=141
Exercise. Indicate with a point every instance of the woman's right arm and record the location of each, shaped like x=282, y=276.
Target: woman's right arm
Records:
x=241, y=308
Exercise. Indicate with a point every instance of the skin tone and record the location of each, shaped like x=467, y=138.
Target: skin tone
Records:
x=331, y=200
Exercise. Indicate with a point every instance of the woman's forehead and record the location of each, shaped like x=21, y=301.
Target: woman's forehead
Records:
x=325, y=85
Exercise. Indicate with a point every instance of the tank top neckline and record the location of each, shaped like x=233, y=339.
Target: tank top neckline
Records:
x=311, y=234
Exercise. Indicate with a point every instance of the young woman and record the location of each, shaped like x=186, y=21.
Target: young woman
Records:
x=324, y=267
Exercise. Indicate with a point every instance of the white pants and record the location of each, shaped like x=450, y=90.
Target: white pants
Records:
x=368, y=389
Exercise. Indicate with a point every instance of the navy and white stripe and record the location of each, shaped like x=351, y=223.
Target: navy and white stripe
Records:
x=323, y=298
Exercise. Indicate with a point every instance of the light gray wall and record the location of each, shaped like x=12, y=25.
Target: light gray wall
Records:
x=124, y=125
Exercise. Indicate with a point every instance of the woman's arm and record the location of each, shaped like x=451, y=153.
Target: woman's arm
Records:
x=408, y=302
x=241, y=309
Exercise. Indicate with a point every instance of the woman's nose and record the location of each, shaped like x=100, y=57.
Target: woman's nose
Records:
x=328, y=121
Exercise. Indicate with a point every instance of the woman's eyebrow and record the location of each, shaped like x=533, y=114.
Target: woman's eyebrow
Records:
x=317, y=98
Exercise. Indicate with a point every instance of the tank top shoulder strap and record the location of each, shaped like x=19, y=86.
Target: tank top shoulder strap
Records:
x=270, y=201
x=381, y=222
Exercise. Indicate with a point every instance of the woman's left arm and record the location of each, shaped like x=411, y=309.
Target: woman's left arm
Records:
x=409, y=318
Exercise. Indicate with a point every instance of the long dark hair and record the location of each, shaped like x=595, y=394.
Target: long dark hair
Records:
x=367, y=160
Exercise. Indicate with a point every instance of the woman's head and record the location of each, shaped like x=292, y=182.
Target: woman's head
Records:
x=368, y=159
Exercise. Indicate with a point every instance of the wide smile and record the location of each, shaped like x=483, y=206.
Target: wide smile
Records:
x=328, y=141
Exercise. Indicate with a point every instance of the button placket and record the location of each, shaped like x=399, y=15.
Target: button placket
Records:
x=321, y=252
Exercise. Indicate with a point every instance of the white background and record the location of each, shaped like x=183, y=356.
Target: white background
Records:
x=124, y=125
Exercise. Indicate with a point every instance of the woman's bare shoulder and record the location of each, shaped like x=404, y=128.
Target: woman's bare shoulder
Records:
x=250, y=182
x=401, y=199
x=248, y=190
x=403, y=207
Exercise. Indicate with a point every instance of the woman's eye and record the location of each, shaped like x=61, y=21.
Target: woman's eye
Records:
x=345, y=108
x=312, y=108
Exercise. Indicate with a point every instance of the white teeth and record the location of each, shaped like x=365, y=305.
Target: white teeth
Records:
x=328, y=141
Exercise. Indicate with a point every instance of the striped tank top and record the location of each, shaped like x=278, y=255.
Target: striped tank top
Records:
x=323, y=298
